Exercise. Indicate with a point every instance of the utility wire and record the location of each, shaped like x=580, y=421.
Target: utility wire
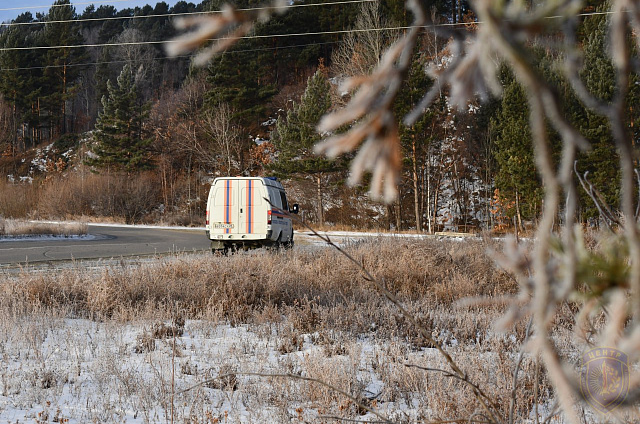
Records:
x=167, y=15
x=8, y=9
x=170, y=15
x=248, y=37
x=254, y=37
x=157, y=59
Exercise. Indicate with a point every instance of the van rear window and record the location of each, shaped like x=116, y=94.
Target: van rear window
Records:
x=256, y=197
x=220, y=197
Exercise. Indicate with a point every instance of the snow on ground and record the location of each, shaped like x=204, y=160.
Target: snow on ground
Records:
x=73, y=370
x=47, y=237
x=80, y=371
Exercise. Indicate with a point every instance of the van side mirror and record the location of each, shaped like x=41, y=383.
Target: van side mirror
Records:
x=295, y=208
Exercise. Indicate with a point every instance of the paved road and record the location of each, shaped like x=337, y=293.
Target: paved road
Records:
x=104, y=242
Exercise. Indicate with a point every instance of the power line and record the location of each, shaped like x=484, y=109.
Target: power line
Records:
x=167, y=15
x=156, y=59
x=9, y=9
x=248, y=37
x=254, y=37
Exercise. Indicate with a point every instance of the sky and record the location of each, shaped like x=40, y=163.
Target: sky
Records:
x=10, y=9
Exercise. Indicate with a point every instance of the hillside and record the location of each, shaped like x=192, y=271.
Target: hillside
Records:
x=96, y=120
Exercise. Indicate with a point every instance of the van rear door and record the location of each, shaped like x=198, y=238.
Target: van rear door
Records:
x=224, y=214
x=239, y=207
x=252, y=216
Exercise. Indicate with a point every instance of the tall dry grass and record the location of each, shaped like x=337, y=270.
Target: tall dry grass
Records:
x=18, y=200
x=102, y=195
x=113, y=196
x=318, y=296
x=236, y=288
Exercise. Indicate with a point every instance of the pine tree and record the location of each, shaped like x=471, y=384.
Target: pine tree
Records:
x=516, y=177
x=245, y=88
x=601, y=162
x=120, y=133
x=296, y=135
x=59, y=77
x=21, y=77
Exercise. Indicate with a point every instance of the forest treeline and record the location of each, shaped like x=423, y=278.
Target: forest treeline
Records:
x=95, y=120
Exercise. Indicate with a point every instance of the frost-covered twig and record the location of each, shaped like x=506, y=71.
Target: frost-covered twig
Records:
x=638, y=183
x=457, y=372
x=597, y=199
x=294, y=377
x=371, y=110
x=224, y=29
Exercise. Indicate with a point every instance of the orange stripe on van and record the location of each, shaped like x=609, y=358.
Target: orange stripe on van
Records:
x=248, y=203
x=227, y=204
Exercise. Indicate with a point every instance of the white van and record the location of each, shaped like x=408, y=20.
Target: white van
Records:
x=246, y=213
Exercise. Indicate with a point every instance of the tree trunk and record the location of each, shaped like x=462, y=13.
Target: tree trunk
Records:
x=319, y=198
x=416, y=197
x=398, y=213
x=435, y=206
x=519, y=223
x=429, y=227
x=165, y=185
x=63, y=128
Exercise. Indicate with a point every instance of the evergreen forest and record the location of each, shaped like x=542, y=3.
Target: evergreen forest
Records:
x=97, y=121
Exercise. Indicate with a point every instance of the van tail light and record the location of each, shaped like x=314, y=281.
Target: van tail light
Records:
x=207, y=221
x=269, y=217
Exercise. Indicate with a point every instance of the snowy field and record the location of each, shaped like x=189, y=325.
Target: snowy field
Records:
x=268, y=338
x=79, y=371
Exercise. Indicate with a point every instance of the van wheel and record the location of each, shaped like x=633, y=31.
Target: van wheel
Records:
x=289, y=245
x=276, y=245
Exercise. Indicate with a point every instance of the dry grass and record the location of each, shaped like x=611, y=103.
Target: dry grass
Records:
x=111, y=197
x=18, y=200
x=18, y=228
x=317, y=297
x=242, y=288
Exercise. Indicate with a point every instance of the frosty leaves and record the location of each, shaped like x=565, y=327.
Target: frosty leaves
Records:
x=371, y=107
x=223, y=29
x=500, y=34
x=369, y=111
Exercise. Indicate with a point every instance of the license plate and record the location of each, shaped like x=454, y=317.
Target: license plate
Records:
x=222, y=225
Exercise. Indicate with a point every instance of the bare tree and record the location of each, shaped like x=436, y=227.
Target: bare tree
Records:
x=211, y=136
x=361, y=49
x=222, y=143
x=137, y=54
